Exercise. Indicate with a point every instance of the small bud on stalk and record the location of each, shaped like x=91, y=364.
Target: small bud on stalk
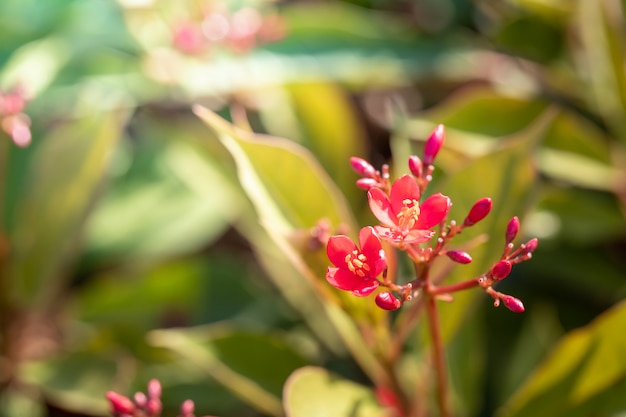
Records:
x=387, y=301
x=512, y=229
x=501, y=270
x=459, y=256
x=479, y=211
x=433, y=144
x=415, y=166
x=362, y=167
x=512, y=304
x=366, y=183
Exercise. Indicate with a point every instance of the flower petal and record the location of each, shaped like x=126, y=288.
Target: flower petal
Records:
x=381, y=207
x=338, y=247
x=366, y=289
x=373, y=250
x=418, y=236
x=403, y=188
x=432, y=211
x=346, y=280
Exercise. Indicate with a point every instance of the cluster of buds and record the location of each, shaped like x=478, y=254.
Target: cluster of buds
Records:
x=239, y=31
x=13, y=120
x=407, y=224
x=143, y=405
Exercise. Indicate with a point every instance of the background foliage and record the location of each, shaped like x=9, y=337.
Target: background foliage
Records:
x=141, y=240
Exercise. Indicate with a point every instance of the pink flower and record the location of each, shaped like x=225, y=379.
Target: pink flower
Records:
x=356, y=270
x=403, y=218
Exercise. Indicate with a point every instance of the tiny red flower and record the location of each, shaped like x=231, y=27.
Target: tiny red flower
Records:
x=356, y=269
x=403, y=218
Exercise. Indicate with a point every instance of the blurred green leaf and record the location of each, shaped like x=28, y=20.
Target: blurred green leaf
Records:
x=74, y=382
x=584, y=375
x=603, y=50
x=315, y=392
x=66, y=173
x=252, y=366
x=14, y=403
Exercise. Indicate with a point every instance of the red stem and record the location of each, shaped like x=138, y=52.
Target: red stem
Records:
x=438, y=355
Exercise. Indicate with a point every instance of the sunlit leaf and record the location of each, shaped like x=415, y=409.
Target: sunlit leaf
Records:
x=314, y=392
x=584, y=375
x=252, y=366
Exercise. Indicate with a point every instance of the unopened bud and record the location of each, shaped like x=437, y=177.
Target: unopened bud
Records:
x=120, y=404
x=362, y=167
x=141, y=400
x=415, y=165
x=501, y=270
x=433, y=144
x=187, y=408
x=387, y=301
x=479, y=211
x=512, y=229
x=366, y=183
x=154, y=407
x=154, y=389
x=531, y=245
x=459, y=256
x=512, y=304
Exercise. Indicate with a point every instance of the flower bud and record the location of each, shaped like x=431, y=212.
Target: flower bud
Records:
x=479, y=211
x=531, y=245
x=501, y=270
x=415, y=165
x=512, y=304
x=154, y=389
x=366, y=183
x=362, y=167
x=140, y=399
x=387, y=301
x=459, y=256
x=120, y=404
x=187, y=408
x=433, y=144
x=512, y=229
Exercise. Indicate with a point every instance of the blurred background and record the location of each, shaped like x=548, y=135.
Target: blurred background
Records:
x=130, y=248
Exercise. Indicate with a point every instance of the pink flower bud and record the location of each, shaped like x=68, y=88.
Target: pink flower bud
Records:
x=154, y=407
x=479, y=211
x=512, y=229
x=141, y=400
x=187, y=408
x=366, y=183
x=120, y=404
x=531, y=245
x=362, y=167
x=512, y=304
x=433, y=144
x=154, y=389
x=501, y=270
x=387, y=301
x=415, y=165
x=459, y=256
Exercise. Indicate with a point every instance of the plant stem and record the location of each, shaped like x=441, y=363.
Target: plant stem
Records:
x=445, y=289
x=438, y=355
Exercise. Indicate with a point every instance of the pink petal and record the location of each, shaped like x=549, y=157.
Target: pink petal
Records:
x=418, y=236
x=381, y=207
x=338, y=247
x=403, y=188
x=432, y=211
x=346, y=280
x=373, y=250
x=367, y=287
x=389, y=234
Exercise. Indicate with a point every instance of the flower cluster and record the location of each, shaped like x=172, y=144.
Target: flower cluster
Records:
x=13, y=120
x=410, y=223
x=239, y=31
x=144, y=405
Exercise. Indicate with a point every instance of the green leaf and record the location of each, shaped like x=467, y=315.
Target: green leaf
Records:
x=584, y=375
x=252, y=366
x=67, y=170
x=274, y=172
x=315, y=392
x=75, y=382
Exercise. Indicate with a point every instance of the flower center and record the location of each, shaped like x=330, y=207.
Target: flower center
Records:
x=357, y=263
x=409, y=214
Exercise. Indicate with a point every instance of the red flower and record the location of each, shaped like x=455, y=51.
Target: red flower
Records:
x=356, y=270
x=403, y=218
